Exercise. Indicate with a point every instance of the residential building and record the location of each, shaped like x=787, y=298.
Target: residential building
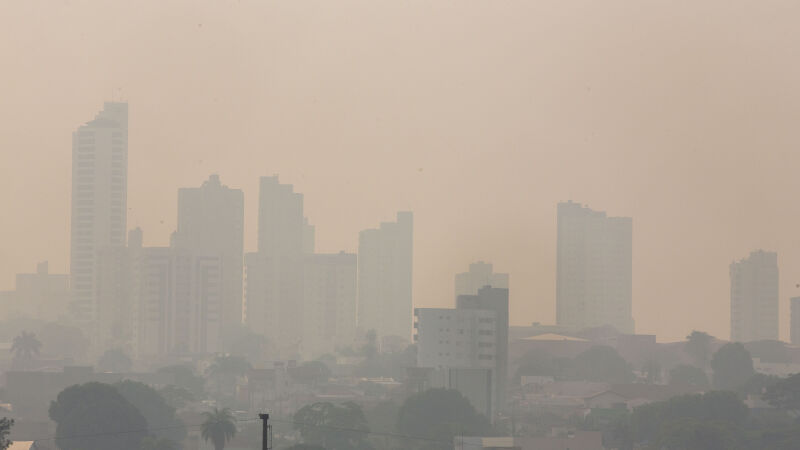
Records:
x=274, y=274
x=177, y=297
x=385, y=256
x=329, y=303
x=461, y=346
x=99, y=200
x=480, y=274
x=754, y=297
x=594, y=269
x=41, y=295
x=211, y=222
x=794, y=327
x=495, y=300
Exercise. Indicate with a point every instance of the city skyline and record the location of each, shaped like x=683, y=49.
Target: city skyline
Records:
x=707, y=179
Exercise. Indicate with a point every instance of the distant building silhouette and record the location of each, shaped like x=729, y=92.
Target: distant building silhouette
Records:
x=754, y=297
x=385, y=257
x=99, y=201
x=480, y=274
x=594, y=269
x=177, y=298
x=274, y=274
x=794, y=328
x=329, y=303
x=40, y=295
x=211, y=222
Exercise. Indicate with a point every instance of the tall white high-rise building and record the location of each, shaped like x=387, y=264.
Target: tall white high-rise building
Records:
x=211, y=222
x=274, y=274
x=480, y=274
x=385, y=257
x=329, y=303
x=594, y=269
x=754, y=297
x=99, y=201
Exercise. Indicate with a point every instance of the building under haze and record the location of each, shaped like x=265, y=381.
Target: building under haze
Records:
x=480, y=274
x=593, y=269
x=754, y=297
x=40, y=295
x=384, y=277
x=454, y=342
x=274, y=274
x=99, y=201
x=794, y=327
x=329, y=303
x=211, y=222
x=176, y=301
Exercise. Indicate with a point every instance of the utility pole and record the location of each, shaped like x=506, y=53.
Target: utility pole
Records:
x=265, y=441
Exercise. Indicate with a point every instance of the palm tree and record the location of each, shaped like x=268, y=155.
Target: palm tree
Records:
x=219, y=427
x=25, y=346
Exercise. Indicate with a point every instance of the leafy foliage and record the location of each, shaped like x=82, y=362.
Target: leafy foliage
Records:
x=311, y=373
x=218, y=427
x=732, y=366
x=5, y=430
x=334, y=427
x=687, y=375
x=160, y=417
x=785, y=394
x=95, y=416
x=25, y=347
x=186, y=378
x=439, y=415
x=698, y=346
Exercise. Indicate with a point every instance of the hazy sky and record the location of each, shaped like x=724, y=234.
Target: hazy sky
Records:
x=478, y=116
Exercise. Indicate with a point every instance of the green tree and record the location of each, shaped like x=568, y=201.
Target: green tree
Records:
x=160, y=417
x=95, y=416
x=154, y=443
x=5, y=430
x=693, y=434
x=602, y=363
x=652, y=371
x=538, y=362
x=439, y=415
x=218, y=427
x=647, y=421
x=115, y=360
x=686, y=375
x=25, y=347
x=698, y=346
x=732, y=366
x=176, y=397
x=224, y=371
x=184, y=377
x=244, y=342
x=785, y=394
x=311, y=373
x=370, y=349
x=334, y=427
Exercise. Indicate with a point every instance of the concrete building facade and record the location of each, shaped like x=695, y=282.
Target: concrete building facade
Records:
x=99, y=201
x=211, y=222
x=594, y=269
x=754, y=297
x=480, y=274
x=385, y=258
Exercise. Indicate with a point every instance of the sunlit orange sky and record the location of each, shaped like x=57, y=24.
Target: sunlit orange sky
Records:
x=477, y=115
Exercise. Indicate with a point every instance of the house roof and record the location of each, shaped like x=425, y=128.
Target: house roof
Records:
x=553, y=337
